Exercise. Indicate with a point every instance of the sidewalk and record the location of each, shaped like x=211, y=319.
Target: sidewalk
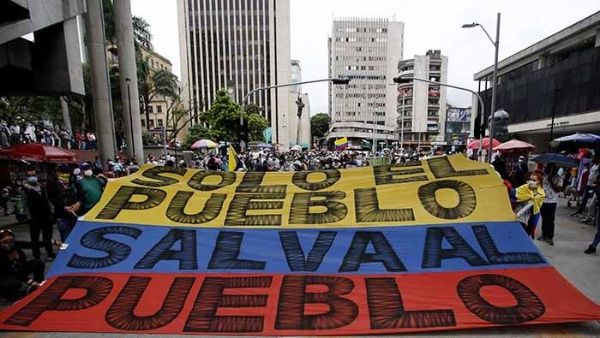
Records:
x=571, y=239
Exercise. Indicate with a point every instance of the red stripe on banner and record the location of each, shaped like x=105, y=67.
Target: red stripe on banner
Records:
x=262, y=304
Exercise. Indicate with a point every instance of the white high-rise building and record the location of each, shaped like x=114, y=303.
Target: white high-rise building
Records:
x=238, y=45
x=367, y=52
x=422, y=106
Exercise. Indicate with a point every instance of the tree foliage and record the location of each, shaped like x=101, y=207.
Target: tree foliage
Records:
x=222, y=122
x=153, y=84
x=33, y=109
x=319, y=125
x=141, y=28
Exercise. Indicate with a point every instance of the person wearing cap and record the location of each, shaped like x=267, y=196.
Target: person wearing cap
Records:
x=89, y=190
x=39, y=214
x=18, y=275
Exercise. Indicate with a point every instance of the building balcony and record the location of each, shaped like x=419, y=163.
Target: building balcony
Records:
x=406, y=72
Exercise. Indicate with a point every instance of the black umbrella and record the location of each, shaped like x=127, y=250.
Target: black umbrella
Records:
x=558, y=159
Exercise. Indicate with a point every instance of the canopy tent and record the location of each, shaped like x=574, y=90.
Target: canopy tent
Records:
x=576, y=138
x=558, y=159
x=36, y=152
x=514, y=146
x=486, y=143
x=204, y=143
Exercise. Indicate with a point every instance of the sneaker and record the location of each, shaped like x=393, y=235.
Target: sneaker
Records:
x=575, y=214
x=590, y=250
x=550, y=241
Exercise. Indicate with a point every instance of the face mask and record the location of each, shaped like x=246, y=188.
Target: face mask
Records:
x=88, y=173
x=561, y=171
x=8, y=246
x=532, y=184
x=32, y=179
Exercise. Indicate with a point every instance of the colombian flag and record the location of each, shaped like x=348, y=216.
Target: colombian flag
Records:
x=341, y=144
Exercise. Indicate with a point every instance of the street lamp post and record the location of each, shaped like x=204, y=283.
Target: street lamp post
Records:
x=496, y=44
x=403, y=80
x=128, y=80
x=334, y=80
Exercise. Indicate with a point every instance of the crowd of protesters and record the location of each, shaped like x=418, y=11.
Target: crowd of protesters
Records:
x=46, y=134
x=66, y=193
x=266, y=160
x=535, y=192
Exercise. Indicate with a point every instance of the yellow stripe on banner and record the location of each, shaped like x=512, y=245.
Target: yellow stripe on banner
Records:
x=436, y=191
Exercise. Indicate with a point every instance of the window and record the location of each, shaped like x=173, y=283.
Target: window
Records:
x=143, y=123
x=158, y=109
x=151, y=124
x=151, y=109
x=160, y=122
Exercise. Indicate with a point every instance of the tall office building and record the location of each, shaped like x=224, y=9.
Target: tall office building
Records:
x=238, y=45
x=422, y=106
x=367, y=51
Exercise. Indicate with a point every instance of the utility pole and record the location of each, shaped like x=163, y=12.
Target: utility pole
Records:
x=494, y=88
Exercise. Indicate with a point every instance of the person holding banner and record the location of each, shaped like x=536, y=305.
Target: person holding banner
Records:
x=532, y=196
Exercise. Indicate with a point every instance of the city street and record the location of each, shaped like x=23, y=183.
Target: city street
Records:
x=571, y=239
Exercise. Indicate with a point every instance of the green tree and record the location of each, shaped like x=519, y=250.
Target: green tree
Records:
x=195, y=133
x=222, y=122
x=31, y=109
x=319, y=125
x=155, y=83
x=141, y=28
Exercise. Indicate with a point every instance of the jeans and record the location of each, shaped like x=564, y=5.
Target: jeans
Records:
x=65, y=225
x=597, y=222
x=592, y=209
x=588, y=192
x=45, y=227
x=548, y=212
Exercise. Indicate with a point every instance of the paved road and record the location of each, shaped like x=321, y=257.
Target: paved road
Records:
x=571, y=239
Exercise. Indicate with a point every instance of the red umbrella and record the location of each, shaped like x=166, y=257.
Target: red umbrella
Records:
x=36, y=152
x=514, y=145
x=486, y=143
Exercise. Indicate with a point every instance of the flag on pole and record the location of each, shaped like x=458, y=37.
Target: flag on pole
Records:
x=341, y=144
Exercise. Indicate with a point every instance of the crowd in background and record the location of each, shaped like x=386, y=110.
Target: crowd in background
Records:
x=46, y=134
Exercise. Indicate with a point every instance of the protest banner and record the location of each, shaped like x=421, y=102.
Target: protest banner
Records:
x=426, y=246
x=436, y=191
x=284, y=304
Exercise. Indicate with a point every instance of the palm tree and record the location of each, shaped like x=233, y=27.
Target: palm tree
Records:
x=155, y=83
x=141, y=28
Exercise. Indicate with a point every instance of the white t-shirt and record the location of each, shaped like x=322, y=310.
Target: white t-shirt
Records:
x=551, y=195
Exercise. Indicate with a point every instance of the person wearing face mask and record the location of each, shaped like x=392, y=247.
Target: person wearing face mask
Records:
x=532, y=195
x=89, y=190
x=553, y=183
x=39, y=214
x=18, y=275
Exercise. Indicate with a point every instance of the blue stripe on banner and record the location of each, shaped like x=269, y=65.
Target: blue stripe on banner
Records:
x=105, y=247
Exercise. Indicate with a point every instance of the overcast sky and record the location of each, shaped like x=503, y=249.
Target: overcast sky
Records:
x=431, y=24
